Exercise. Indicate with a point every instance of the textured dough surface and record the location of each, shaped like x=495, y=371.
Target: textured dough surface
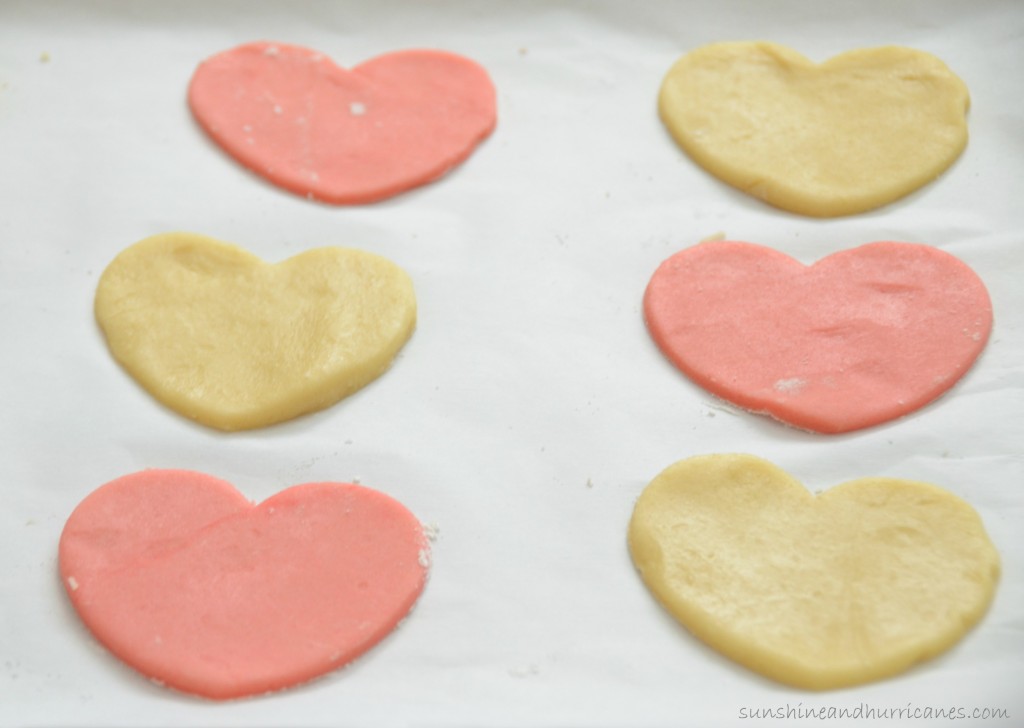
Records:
x=343, y=136
x=853, y=585
x=848, y=135
x=186, y=581
x=233, y=342
x=860, y=337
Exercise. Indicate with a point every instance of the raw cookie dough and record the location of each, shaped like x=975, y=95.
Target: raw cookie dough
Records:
x=343, y=136
x=854, y=133
x=856, y=584
x=235, y=343
x=186, y=581
x=860, y=337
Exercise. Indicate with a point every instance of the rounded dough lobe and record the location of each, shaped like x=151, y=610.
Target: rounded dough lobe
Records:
x=230, y=341
x=853, y=585
x=851, y=134
x=186, y=581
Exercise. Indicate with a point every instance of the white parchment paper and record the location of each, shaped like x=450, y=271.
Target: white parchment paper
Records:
x=530, y=407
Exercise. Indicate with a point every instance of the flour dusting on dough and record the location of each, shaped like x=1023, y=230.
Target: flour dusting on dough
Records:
x=790, y=386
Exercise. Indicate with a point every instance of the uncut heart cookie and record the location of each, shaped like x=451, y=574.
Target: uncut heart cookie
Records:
x=860, y=337
x=183, y=579
x=230, y=341
x=343, y=136
x=855, y=584
x=854, y=133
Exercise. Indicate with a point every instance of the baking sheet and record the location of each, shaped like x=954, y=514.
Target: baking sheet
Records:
x=530, y=407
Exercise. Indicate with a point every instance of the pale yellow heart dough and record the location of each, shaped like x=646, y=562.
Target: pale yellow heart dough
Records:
x=848, y=135
x=853, y=585
x=236, y=343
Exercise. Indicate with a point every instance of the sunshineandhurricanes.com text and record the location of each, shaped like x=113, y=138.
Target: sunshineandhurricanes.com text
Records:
x=871, y=712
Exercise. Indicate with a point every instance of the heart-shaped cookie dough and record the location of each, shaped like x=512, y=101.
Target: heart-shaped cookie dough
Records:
x=856, y=584
x=862, y=336
x=235, y=343
x=186, y=581
x=851, y=134
x=343, y=136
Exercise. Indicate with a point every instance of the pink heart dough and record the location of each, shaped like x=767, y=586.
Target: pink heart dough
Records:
x=861, y=337
x=343, y=136
x=186, y=581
